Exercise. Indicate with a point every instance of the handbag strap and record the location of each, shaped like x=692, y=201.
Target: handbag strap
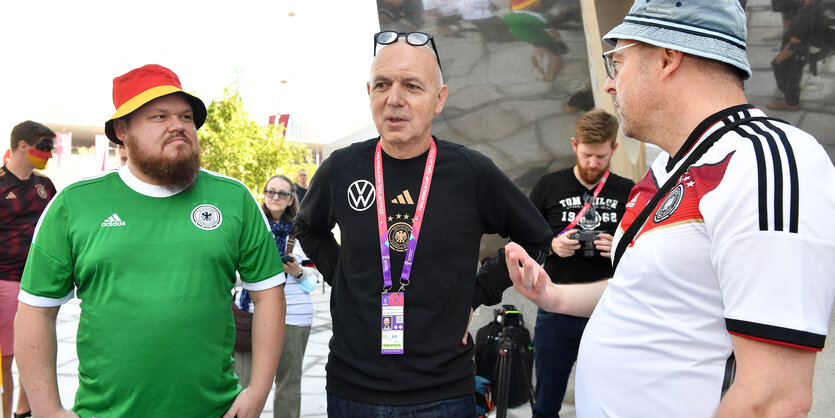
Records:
x=671, y=182
x=291, y=242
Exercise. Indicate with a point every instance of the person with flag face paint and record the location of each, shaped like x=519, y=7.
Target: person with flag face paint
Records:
x=24, y=195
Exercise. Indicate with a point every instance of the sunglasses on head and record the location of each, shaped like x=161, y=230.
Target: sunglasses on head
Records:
x=387, y=37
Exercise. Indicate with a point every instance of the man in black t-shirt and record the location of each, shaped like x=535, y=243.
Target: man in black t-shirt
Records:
x=561, y=197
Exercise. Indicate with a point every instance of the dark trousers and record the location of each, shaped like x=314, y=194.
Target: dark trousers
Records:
x=788, y=75
x=453, y=408
x=556, y=341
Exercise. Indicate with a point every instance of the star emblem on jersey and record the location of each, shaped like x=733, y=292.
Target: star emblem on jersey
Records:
x=41, y=191
x=206, y=217
x=361, y=195
x=399, y=234
x=670, y=204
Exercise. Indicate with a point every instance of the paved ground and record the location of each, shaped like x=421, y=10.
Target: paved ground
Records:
x=313, y=381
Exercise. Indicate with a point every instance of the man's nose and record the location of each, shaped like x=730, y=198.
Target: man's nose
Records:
x=396, y=95
x=177, y=124
x=609, y=86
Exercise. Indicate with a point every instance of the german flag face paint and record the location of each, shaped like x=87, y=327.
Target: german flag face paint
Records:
x=41, y=153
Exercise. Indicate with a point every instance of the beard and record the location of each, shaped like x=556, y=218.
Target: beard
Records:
x=176, y=173
x=591, y=175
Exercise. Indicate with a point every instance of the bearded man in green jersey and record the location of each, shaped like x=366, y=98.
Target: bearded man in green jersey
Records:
x=152, y=250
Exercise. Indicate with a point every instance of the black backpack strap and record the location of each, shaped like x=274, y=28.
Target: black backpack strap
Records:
x=694, y=156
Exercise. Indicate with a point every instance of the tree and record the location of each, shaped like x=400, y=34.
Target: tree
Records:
x=235, y=145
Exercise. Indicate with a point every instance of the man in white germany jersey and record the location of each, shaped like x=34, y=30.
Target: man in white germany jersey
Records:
x=734, y=252
x=152, y=250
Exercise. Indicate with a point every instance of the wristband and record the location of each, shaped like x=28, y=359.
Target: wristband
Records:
x=300, y=275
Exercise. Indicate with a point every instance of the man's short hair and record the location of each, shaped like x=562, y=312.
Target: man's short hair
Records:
x=31, y=132
x=595, y=127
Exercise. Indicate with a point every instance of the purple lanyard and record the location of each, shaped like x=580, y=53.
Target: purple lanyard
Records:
x=417, y=220
x=587, y=205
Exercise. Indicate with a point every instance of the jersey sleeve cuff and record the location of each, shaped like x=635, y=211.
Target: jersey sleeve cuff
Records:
x=43, y=302
x=274, y=281
x=776, y=335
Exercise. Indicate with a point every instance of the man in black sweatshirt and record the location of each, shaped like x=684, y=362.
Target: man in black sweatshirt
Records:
x=409, y=246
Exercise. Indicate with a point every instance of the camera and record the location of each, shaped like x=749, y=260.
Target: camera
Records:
x=508, y=316
x=586, y=239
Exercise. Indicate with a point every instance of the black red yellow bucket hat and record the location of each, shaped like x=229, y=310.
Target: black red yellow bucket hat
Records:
x=141, y=85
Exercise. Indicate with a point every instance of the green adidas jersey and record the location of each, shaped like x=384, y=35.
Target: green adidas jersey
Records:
x=154, y=272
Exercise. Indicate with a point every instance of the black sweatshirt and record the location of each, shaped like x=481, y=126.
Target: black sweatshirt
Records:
x=469, y=197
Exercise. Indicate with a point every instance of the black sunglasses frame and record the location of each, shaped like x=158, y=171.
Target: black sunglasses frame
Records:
x=281, y=194
x=408, y=35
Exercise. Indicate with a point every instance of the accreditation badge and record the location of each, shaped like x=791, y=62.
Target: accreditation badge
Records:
x=391, y=324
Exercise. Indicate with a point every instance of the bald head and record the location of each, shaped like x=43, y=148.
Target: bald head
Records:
x=438, y=77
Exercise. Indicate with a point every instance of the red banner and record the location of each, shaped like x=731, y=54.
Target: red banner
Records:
x=283, y=119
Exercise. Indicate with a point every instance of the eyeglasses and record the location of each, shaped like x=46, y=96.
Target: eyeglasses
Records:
x=387, y=37
x=280, y=194
x=611, y=66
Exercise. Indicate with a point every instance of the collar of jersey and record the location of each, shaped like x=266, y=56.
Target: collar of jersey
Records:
x=704, y=129
x=141, y=187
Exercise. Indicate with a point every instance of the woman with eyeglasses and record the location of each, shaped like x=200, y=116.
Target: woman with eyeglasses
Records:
x=280, y=205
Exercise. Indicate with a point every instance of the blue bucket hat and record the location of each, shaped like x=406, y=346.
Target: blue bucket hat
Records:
x=714, y=29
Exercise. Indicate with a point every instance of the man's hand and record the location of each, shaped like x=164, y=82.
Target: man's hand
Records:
x=248, y=404
x=528, y=277
x=603, y=243
x=531, y=280
x=563, y=246
x=467, y=330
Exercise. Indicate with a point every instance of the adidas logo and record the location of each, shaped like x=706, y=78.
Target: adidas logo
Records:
x=113, y=220
x=403, y=198
x=11, y=196
x=633, y=201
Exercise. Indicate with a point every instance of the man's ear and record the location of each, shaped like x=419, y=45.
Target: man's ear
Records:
x=670, y=61
x=442, y=95
x=120, y=128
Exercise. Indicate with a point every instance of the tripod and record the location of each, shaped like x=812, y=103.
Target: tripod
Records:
x=510, y=352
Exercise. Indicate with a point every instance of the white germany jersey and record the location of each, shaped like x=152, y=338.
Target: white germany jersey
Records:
x=743, y=244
